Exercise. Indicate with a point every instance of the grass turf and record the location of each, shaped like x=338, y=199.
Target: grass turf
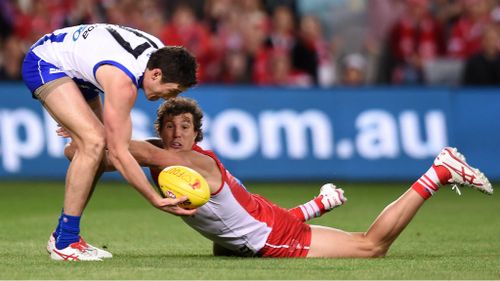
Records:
x=452, y=237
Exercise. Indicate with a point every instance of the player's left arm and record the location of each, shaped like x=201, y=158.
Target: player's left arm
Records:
x=120, y=96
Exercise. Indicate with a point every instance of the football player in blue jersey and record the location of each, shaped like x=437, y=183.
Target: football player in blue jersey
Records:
x=66, y=70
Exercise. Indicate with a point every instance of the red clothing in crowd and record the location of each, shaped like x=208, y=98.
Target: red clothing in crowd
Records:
x=465, y=37
x=197, y=39
x=424, y=39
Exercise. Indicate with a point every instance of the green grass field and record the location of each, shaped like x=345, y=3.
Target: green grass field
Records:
x=452, y=237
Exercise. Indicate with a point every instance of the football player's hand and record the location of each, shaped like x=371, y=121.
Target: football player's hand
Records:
x=170, y=205
x=62, y=132
x=333, y=196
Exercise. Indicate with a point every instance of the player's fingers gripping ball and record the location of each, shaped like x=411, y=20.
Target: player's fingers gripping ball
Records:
x=178, y=181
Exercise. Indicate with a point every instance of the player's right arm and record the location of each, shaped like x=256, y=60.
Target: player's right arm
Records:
x=148, y=153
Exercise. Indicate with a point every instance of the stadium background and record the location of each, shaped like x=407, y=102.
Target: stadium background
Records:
x=328, y=93
x=292, y=90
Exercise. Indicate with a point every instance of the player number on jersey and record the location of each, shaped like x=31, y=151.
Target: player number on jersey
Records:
x=137, y=51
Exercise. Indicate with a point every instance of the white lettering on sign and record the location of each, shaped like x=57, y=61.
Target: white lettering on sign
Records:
x=237, y=134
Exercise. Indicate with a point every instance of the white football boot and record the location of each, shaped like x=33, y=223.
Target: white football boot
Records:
x=461, y=172
x=103, y=254
x=332, y=196
x=78, y=251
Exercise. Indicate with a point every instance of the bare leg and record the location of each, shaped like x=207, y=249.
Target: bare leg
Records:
x=69, y=109
x=98, y=175
x=330, y=242
x=393, y=220
x=69, y=151
x=96, y=106
x=448, y=167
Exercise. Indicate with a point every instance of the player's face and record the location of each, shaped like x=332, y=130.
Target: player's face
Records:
x=163, y=91
x=154, y=89
x=178, y=132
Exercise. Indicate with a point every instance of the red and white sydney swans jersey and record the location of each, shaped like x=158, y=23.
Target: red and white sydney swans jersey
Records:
x=248, y=223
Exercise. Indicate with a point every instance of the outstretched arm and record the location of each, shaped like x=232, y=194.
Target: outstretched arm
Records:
x=148, y=153
x=120, y=96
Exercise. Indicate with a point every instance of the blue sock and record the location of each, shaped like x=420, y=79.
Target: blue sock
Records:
x=58, y=228
x=70, y=231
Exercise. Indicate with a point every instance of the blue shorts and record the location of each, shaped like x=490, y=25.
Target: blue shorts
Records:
x=37, y=72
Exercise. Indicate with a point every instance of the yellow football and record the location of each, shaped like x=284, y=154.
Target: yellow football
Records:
x=177, y=181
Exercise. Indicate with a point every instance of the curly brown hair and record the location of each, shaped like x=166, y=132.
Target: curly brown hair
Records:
x=177, y=106
x=177, y=64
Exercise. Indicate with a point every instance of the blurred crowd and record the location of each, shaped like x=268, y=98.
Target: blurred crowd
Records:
x=293, y=43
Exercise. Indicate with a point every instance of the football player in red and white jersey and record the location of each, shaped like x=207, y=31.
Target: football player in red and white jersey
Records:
x=245, y=224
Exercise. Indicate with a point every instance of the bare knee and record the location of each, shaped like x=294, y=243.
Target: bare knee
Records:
x=91, y=145
x=374, y=249
x=95, y=145
x=378, y=252
x=364, y=247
